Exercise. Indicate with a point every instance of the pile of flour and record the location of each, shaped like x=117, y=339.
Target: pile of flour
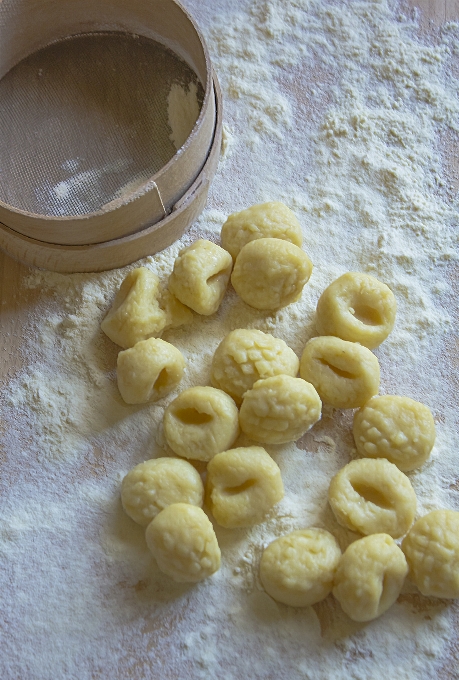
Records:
x=340, y=110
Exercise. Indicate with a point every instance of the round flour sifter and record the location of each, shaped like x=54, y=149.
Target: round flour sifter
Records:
x=110, y=130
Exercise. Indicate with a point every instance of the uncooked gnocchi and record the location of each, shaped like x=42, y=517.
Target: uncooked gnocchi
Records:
x=432, y=552
x=298, y=569
x=149, y=371
x=242, y=485
x=357, y=307
x=245, y=356
x=280, y=409
x=397, y=428
x=373, y=496
x=345, y=374
x=200, y=276
x=182, y=540
x=369, y=577
x=270, y=273
x=153, y=485
x=201, y=422
x=264, y=220
x=140, y=311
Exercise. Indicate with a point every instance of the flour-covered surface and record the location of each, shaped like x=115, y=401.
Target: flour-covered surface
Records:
x=347, y=113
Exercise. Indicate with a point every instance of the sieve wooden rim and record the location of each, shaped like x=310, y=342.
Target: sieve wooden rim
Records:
x=157, y=196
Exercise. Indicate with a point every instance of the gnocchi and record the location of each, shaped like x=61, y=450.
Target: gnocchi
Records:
x=153, y=485
x=182, y=540
x=369, y=577
x=201, y=422
x=298, y=569
x=200, y=276
x=345, y=374
x=357, y=307
x=264, y=220
x=149, y=371
x=279, y=409
x=432, y=552
x=245, y=356
x=242, y=485
x=373, y=496
x=397, y=428
x=270, y=273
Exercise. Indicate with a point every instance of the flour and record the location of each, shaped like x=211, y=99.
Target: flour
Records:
x=339, y=110
x=182, y=112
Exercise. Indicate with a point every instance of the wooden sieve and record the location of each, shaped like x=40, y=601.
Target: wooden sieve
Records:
x=110, y=129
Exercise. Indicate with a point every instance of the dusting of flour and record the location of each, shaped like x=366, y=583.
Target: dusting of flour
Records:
x=340, y=110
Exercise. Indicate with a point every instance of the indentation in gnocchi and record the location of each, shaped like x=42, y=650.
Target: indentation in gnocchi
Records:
x=371, y=495
x=191, y=416
x=233, y=490
x=338, y=371
x=366, y=314
x=162, y=381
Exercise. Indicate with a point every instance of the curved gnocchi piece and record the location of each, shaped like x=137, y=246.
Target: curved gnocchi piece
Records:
x=357, y=307
x=372, y=496
x=345, y=374
x=242, y=485
x=369, y=577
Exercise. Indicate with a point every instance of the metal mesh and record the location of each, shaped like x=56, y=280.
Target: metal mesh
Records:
x=85, y=118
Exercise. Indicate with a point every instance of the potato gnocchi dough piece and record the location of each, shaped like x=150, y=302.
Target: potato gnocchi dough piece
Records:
x=245, y=356
x=153, y=485
x=345, y=374
x=432, y=552
x=200, y=276
x=149, y=371
x=280, y=409
x=397, y=428
x=264, y=220
x=373, y=496
x=357, y=307
x=182, y=540
x=242, y=485
x=298, y=569
x=201, y=422
x=270, y=273
x=369, y=577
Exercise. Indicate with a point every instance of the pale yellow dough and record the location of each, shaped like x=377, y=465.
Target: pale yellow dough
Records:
x=242, y=485
x=201, y=422
x=280, y=409
x=264, y=220
x=345, y=374
x=149, y=371
x=270, y=273
x=372, y=496
x=200, y=276
x=357, y=307
x=183, y=542
x=153, y=485
x=245, y=356
x=397, y=428
x=298, y=569
x=432, y=552
x=141, y=311
x=369, y=577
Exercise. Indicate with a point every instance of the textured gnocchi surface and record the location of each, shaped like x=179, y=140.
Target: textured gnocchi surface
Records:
x=149, y=371
x=182, y=540
x=264, y=220
x=397, y=428
x=357, y=307
x=200, y=276
x=242, y=485
x=245, y=356
x=270, y=273
x=298, y=569
x=432, y=552
x=345, y=374
x=372, y=496
x=279, y=409
x=153, y=485
x=201, y=422
x=369, y=577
